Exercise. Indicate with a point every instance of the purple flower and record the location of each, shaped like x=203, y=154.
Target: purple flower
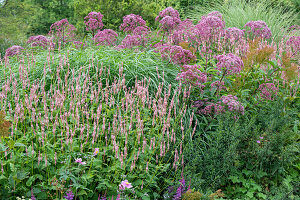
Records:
x=79, y=160
x=14, y=50
x=38, y=40
x=69, y=196
x=190, y=74
x=131, y=41
x=294, y=43
x=235, y=33
x=167, y=12
x=229, y=64
x=180, y=190
x=125, y=184
x=232, y=103
x=169, y=23
x=259, y=29
x=268, y=91
x=176, y=54
x=93, y=21
x=62, y=31
x=130, y=22
x=106, y=37
x=261, y=138
x=96, y=151
x=258, y=141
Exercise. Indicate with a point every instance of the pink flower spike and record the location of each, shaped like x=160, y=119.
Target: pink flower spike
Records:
x=78, y=160
x=261, y=138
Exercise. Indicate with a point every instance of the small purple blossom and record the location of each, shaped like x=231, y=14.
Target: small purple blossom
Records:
x=96, y=151
x=79, y=160
x=125, y=184
x=69, y=195
x=258, y=141
x=259, y=29
x=180, y=190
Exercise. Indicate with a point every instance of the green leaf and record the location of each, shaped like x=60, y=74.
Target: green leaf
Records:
x=81, y=192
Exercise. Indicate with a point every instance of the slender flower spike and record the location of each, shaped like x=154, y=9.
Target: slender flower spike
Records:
x=125, y=184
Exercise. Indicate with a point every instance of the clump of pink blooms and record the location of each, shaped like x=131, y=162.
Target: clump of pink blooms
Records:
x=62, y=31
x=219, y=85
x=169, y=11
x=38, y=40
x=294, y=44
x=14, y=50
x=168, y=23
x=212, y=108
x=131, y=41
x=168, y=18
x=176, y=54
x=232, y=103
x=268, y=91
x=141, y=30
x=190, y=74
x=209, y=26
x=229, y=64
x=125, y=184
x=235, y=33
x=130, y=22
x=93, y=22
x=182, y=32
x=259, y=29
x=106, y=37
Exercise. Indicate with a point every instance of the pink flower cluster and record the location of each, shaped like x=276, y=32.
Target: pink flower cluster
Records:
x=232, y=103
x=235, y=33
x=259, y=29
x=131, y=41
x=38, y=40
x=106, y=37
x=182, y=32
x=167, y=12
x=209, y=25
x=268, y=91
x=93, y=21
x=229, y=64
x=62, y=31
x=130, y=22
x=141, y=30
x=169, y=19
x=212, y=109
x=169, y=23
x=294, y=43
x=176, y=54
x=14, y=50
x=190, y=74
x=218, y=85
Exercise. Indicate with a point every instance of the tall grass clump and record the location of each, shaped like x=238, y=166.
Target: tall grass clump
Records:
x=238, y=12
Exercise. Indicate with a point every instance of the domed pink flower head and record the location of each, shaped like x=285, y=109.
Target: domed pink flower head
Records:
x=125, y=184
